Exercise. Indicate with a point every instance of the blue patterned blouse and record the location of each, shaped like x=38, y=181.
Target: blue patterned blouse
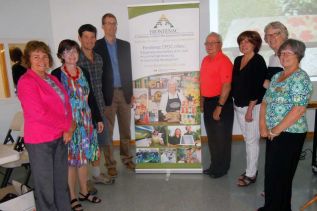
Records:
x=281, y=97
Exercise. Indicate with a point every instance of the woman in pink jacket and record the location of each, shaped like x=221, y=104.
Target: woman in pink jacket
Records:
x=48, y=127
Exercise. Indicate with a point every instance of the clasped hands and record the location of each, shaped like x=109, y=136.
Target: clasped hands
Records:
x=269, y=134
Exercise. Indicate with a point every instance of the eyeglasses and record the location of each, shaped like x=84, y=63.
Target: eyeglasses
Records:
x=211, y=43
x=286, y=53
x=273, y=35
x=71, y=51
x=111, y=23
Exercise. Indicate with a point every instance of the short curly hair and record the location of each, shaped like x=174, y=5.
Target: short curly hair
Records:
x=66, y=45
x=277, y=25
x=296, y=46
x=35, y=45
x=253, y=37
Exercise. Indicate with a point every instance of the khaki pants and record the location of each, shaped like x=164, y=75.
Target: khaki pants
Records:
x=120, y=108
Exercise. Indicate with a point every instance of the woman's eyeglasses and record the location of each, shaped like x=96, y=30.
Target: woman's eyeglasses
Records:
x=273, y=35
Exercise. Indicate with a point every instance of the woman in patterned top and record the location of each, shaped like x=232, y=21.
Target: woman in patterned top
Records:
x=283, y=123
x=83, y=146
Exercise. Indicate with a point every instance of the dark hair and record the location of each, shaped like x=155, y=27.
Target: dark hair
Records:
x=15, y=54
x=296, y=46
x=66, y=45
x=107, y=15
x=35, y=45
x=253, y=37
x=87, y=27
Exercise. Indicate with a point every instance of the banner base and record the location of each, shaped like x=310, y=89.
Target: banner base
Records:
x=168, y=171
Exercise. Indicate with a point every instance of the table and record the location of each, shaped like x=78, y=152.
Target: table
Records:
x=313, y=105
x=8, y=154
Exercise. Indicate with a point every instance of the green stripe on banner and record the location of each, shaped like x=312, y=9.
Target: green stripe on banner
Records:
x=168, y=165
x=140, y=10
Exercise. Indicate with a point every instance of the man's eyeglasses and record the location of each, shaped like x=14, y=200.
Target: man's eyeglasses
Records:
x=273, y=35
x=111, y=23
x=211, y=43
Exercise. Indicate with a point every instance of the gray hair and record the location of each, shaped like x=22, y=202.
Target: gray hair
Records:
x=215, y=34
x=277, y=25
x=298, y=47
x=172, y=81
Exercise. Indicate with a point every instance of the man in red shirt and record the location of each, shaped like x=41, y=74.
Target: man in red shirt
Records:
x=215, y=86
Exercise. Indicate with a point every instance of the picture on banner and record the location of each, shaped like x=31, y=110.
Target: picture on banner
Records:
x=189, y=155
x=147, y=155
x=170, y=98
x=167, y=136
x=182, y=155
x=168, y=144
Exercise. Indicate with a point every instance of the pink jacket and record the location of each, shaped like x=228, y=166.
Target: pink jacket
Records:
x=45, y=116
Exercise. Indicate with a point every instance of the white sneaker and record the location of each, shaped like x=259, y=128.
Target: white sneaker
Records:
x=102, y=179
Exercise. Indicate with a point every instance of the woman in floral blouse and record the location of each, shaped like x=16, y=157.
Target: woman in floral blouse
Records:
x=283, y=123
x=83, y=147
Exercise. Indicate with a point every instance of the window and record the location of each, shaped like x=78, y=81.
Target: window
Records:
x=230, y=18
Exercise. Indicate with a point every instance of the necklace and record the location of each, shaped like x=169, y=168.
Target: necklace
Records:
x=70, y=76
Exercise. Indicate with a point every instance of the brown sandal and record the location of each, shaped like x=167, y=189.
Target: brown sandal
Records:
x=241, y=176
x=246, y=181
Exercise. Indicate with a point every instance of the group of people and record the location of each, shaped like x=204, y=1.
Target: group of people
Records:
x=70, y=114
x=269, y=102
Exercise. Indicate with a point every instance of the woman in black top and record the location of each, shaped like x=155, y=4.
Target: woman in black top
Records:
x=176, y=139
x=247, y=91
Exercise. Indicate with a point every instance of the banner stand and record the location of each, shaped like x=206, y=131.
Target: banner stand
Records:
x=164, y=42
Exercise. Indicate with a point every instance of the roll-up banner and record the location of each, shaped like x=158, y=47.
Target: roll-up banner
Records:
x=165, y=59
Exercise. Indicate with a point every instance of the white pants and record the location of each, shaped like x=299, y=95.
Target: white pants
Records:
x=251, y=135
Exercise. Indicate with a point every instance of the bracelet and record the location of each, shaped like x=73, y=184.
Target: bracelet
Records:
x=272, y=134
x=220, y=105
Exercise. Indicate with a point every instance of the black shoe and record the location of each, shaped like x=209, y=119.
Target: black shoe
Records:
x=207, y=171
x=212, y=175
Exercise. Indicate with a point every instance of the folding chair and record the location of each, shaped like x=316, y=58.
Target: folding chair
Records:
x=17, y=124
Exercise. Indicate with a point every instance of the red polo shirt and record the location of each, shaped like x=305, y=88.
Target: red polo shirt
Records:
x=214, y=73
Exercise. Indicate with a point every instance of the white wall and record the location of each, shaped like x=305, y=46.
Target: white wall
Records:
x=21, y=21
x=54, y=20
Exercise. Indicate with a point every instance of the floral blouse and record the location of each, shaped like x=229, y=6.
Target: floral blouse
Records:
x=281, y=97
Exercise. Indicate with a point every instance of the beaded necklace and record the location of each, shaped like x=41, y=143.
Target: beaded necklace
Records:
x=69, y=75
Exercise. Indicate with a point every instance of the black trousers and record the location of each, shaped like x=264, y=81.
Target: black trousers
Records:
x=281, y=160
x=50, y=175
x=219, y=134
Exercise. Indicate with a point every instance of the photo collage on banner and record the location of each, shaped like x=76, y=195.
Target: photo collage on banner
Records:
x=165, y=64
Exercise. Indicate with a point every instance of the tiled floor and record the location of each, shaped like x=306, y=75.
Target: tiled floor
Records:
x=197, y=192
